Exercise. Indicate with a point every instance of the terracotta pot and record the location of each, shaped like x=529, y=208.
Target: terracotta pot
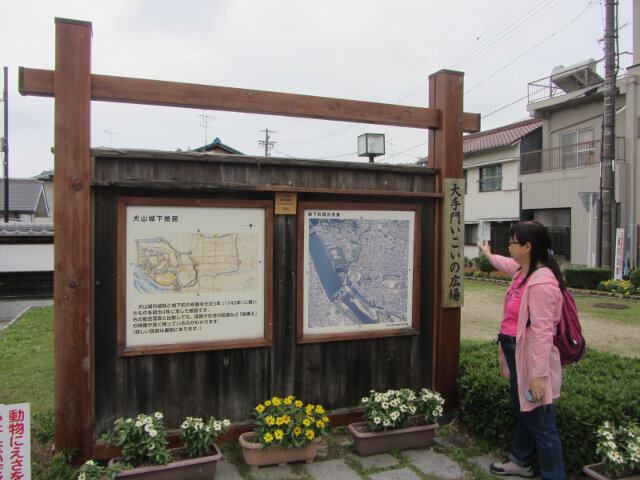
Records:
x=275, y=455
x=370, y=443
x=202, y=468
x=598, y=472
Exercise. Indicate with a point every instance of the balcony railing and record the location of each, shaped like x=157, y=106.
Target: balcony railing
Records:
x=570, y=156
x=583, y=76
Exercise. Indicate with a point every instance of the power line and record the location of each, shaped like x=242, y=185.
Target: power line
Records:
x=424, y=87
x=505, y=106
x=567, y=25
x=486, y=45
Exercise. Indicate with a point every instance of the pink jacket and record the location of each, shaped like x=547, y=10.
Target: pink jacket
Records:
x=536, y=356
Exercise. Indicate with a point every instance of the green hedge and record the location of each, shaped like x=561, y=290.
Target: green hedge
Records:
x=484, y=265
x=635, y=278
x=585, y=277
x=602, y=386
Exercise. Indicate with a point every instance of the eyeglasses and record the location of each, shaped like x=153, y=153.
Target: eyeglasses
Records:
x=512, y=243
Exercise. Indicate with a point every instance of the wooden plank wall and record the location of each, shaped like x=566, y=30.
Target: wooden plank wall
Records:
x=229, y=383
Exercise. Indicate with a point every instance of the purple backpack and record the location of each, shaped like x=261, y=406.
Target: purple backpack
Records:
x=568, y=338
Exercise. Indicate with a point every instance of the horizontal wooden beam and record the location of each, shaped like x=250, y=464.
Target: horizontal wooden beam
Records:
x=172, y=184
x=188, y=95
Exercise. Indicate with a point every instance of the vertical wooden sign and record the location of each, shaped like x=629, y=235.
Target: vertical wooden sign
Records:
x=453, y=243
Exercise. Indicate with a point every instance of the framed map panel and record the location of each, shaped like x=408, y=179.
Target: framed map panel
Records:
x=358, y=266
x=192, y=274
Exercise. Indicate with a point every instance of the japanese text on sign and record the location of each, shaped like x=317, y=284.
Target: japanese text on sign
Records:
x=453, y=243
x=193, y=274
x=15, y=442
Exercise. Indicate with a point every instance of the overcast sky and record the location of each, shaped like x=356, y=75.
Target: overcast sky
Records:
x=373, y=50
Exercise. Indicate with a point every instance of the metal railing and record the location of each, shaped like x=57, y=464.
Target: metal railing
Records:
x=570, y=156
x=583, y=76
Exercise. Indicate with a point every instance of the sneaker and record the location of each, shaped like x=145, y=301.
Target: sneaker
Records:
x=510, y=468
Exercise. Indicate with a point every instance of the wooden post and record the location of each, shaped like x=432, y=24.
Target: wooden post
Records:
x=73, y=261
x=445, y=154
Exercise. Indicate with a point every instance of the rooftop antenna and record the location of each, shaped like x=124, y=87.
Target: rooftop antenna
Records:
x=205, y=123
x=110, y=133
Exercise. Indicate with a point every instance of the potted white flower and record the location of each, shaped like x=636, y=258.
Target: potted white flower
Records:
x=396, y=419
x=143, y=441
x=619, y=450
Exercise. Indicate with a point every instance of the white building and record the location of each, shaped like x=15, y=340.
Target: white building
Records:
x=26, y=241
x=491, y=167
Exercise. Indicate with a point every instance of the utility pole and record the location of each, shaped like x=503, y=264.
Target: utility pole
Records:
x=5, y=144
x=268, y=144
x=607, y=182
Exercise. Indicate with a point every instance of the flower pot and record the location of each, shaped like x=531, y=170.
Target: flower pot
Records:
x=370, y=443
x=254, y=457
x=598, y=472
x=193, y=468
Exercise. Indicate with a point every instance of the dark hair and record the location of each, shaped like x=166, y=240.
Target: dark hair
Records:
x=537, y=235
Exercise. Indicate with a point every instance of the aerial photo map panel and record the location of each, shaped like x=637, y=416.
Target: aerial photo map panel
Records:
x=358, y=270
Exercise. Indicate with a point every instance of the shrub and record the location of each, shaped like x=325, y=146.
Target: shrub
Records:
x=484, y=264
x=602, y=386
x=44, y=426
x=634, y=278
x=586, y=277
x=618, y=286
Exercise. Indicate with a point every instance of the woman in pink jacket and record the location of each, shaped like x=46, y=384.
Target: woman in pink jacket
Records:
x=528, y=357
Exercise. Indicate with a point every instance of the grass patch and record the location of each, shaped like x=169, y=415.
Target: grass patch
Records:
x=629, y=316
x=585, y=304
x=26, y=361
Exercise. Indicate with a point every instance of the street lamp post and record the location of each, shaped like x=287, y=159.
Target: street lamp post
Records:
x=371, y=145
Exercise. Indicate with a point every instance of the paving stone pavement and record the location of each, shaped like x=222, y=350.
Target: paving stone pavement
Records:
x=419, y=464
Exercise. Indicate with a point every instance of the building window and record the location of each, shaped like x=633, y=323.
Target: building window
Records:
x=471, y=234
x=558, y=223
x=491, y=178
x=577, y=148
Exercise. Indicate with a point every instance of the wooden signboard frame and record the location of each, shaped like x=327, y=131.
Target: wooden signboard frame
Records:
x=74, y=87
x=260, y=338
x=355, y=331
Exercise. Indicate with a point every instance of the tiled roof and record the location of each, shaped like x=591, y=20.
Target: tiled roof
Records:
x=499, y=137
x=26, y=229
x=217, y=143
x=24, y=194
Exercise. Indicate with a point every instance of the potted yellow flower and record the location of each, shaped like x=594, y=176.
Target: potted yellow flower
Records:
x=286, y=430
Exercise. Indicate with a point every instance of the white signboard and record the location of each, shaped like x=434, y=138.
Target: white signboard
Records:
x=15, y=442
x=617, y=275
x=194, y=275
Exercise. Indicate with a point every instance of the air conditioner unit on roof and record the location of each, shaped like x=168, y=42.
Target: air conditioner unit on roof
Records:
x=575, y=77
